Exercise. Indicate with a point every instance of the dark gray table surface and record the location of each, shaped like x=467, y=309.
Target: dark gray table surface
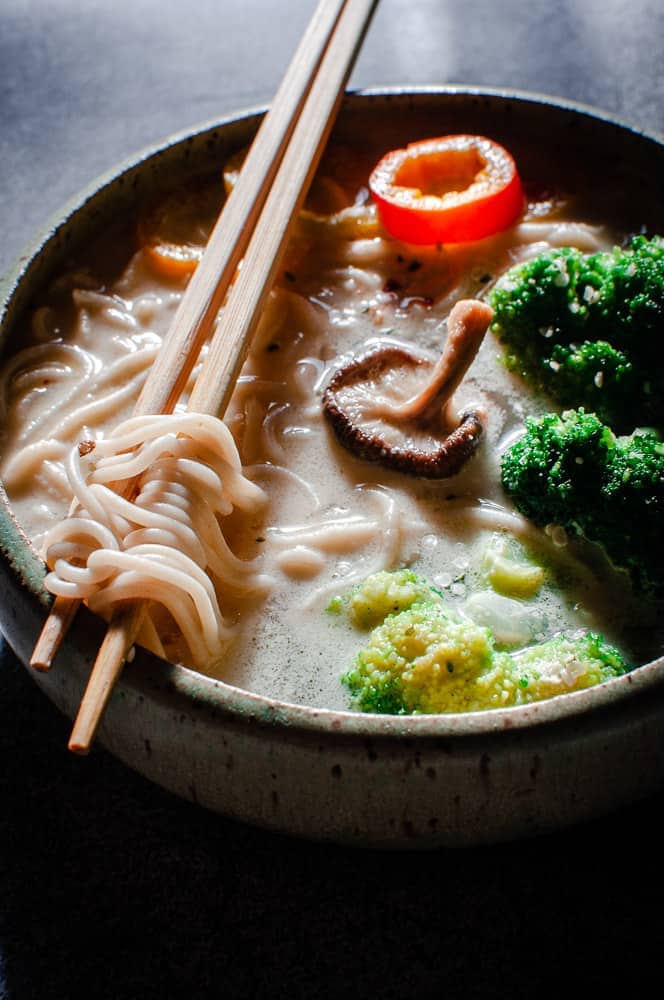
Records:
x=111, y=888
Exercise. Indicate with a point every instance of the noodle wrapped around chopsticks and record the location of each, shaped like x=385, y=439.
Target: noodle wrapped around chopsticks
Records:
x=166, y=544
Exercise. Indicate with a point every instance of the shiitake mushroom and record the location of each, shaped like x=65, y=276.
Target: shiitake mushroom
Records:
x=395, y=407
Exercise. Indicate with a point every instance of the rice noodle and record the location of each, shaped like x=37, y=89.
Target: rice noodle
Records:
x=166, y=545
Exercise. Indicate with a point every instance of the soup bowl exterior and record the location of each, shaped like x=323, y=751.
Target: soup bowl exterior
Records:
x=374, y=780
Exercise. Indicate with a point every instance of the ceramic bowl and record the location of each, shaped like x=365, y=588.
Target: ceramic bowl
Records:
x=378, y=780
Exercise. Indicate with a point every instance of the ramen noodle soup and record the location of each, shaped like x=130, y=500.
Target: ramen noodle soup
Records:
x=284, y=518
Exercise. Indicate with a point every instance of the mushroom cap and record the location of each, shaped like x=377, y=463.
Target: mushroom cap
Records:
x=429, y=449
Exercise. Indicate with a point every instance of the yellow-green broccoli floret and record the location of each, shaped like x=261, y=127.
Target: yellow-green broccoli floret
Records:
x=420, y=660
x=385, y=593
x=421, y=657
x=563, y=664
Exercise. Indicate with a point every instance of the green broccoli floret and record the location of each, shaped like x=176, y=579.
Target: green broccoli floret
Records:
x=585, y=328
x=633, y=498
x=382, y=594
x=553, y=470
x=571, y=470
x=426, y=659
x=597, y=375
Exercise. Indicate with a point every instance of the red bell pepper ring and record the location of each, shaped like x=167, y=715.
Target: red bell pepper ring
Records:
x=453, y=189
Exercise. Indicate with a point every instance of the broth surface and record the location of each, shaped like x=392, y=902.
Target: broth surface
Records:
x=331, y=519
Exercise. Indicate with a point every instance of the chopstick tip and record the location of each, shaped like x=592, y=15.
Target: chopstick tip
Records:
x=40, y=663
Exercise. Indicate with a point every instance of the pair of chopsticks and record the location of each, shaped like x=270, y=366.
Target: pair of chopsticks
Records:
x=253, y=225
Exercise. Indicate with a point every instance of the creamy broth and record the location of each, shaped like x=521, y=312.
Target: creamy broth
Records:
x=330, y=519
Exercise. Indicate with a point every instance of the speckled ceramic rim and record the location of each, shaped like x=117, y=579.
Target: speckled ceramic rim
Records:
x=150, y=673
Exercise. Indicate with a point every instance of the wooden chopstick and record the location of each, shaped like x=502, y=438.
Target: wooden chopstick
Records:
x=228, y=349
x=229, y=346
x=209, y=284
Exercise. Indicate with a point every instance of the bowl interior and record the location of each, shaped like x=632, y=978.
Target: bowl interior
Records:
x=601, y=160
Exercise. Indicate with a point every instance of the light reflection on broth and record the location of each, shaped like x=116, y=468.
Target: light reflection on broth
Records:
x=331, y=519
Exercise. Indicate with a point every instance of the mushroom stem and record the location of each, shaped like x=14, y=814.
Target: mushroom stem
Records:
x=466, y=326
x=369, y=406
